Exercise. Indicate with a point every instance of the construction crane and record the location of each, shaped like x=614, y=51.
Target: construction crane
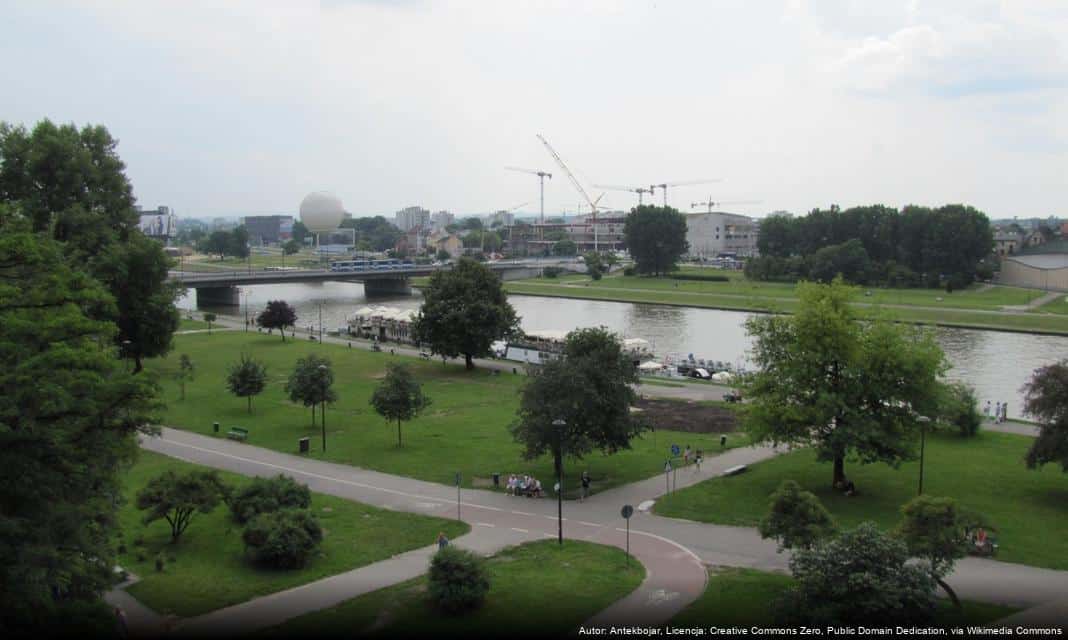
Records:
x=542, y=175
x=638, y=190
x=575, y=183
x=709, y=203
x=664, y=185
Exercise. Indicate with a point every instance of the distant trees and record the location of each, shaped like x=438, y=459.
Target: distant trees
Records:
x=656, y=238
x=399, y=397
x=226, y=243
x=1047, y=400
x=247, y=378
x=210, y=318
x=290, y=247
x=177, y=498
x=464, y=311
x=565, y=247
x=377, y=232
x=796, y=518
x=300, y=232
x=277, y=315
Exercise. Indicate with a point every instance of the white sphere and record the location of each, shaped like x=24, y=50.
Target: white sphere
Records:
x=321, y=212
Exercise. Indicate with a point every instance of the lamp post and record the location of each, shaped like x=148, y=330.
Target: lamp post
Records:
x=559, y=425
x=923, y=420
x=246, y=311
x=320, y=323
x=126, y=353
x=322, y=397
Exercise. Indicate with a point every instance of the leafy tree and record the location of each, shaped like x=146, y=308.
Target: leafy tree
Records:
x=217, y=243
x=796, y=518
x=959, y=408
x=590, y=388
x=278, y=315
x=176, y=498
x=458, y=580
x=266, y=495
x=69, y=415
x=861, y=577
x=825, y=380
x=247, y=378
x=471, y=223
x=594, y=265
x=291, y=247
x=300, y=232
x=209, y=318
x=848, y=260
x=399, y=396
x=375, y=233
x=656, y=238
x=310, y=385
x=443, y=254
x=565, y=247
x=283, y=539
x=1046, y=398
x=185, y=372
x=238, y=242
x=464, y=311
x=932, y=530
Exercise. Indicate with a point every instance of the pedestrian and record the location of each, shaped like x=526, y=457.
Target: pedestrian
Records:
x=997, y=412
x=686, y=456
x=697, y=460
x=585, y=485
x=442, y=540
x=1004, y=411
x=120, y=623
x=986, y=410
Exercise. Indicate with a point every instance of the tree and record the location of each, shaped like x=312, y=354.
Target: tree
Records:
x=464, y=311
x=848, y=260
x=655, y=237
x=457, y=581
x=238, y=242
x=825, y=380
x=861, y=577
x=959, y=408
x=300, y=232
x=218, y=243
x=1046, y=398
x=565, y=247
x=399, y=397
x=185, y=372
x=266, y=495
x=590, y=388
x=291, y=247
x=247, y=378
x=310, y=385
x=283, y=539
x=209, y=318
x=177, y=498
x=69, y=417
x=932, y=530
x=278, y=315
x=796, y=518
x=443, y=255
x=594, y=265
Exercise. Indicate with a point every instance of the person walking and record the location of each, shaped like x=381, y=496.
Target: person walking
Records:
x=1004, y=411
x=697, y=460
x=585, y=486
x=442, y=540
x=686, y=456
x=986, y=410
x=121, y=625
x=997, y=412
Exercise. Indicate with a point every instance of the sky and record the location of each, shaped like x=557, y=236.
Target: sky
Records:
x=233, y=107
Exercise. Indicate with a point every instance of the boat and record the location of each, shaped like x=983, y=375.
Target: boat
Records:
x=541, y=346
x=382, y=323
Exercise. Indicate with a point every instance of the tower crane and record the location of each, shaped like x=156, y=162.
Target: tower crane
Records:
x=575, y=183
x=664, y=185
x=638, y=190
x=542, y=175
x=709, y=203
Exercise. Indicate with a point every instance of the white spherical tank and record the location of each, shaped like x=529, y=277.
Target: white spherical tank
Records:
x=321, y=212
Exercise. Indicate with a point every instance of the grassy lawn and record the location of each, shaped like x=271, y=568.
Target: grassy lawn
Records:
x=743, y=598
x=985, y=474
x=189, y=325
x=536, y=589
x=258, y=260
x=207, y=568
x=464, y=430
x=1058, y=305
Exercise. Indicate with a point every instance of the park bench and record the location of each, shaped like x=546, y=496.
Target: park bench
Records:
x=237, y=433
x=732, y=397
x=735, y=470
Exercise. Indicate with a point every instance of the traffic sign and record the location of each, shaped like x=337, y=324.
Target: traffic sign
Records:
x=627, y=511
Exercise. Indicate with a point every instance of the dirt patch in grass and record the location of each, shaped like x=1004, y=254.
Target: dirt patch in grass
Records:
x=688, y=416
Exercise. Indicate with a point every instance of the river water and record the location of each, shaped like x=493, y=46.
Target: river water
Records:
x=996, y=363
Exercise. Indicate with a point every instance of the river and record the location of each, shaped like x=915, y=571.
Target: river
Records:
x=996, y=363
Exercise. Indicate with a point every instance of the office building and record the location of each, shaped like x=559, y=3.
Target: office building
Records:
x=713, y=234
x=263, y=230
x=412, y=217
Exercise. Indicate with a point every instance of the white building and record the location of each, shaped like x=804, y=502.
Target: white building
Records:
x=712, y=234
x=412, y=217
x=440, y=220
x=505, y=218
x=159, y=223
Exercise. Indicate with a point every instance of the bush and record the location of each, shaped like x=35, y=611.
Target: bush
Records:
x=265, y=495
x=457, y=581
x=628, y=271
x=702, y=277
x=960, y=408
x=551, y=272
x=283, y=539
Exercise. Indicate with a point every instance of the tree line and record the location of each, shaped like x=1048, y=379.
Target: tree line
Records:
x=916, y=246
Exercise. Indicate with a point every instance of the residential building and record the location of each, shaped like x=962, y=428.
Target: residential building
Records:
x=264, y=230
x=716, y=233
x=440, y=220
x=1007, y=242
x=1035, y=238
x=413, y=242
x=411, y=217
x=505, y=218
x=448, y=242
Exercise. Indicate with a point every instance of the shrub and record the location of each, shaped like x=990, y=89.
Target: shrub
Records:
x=458, y=580
x=959, y=408
x=702, y=277
x=628, y=271
x=796, y=518
x=160, y=562
x=551, y=272
x=265, y=495
x=283, y=539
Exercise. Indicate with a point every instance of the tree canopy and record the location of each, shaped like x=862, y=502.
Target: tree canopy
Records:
x=377, y=232
x=399, y=396
x=1046, y=400
x=247, y=378
x=177, y=498
x=796, y=518
x=841, y=386
x=656, y=238
x=932, y=530
x=277, y=315
x=464, y=310
x=311, y=385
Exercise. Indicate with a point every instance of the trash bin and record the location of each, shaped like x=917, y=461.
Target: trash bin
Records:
x=496, y=480
x=215, y=426
x=305, y=444
x=723, y=441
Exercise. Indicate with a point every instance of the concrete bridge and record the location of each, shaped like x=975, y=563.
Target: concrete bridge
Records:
x=220, y=288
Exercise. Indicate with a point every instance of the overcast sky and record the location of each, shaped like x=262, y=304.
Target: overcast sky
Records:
x=231, y=107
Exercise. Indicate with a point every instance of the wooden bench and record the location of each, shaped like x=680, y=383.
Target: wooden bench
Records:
x=735, y=470
x=237, y=433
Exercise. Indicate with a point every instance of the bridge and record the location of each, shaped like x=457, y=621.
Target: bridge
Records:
x=220, y=288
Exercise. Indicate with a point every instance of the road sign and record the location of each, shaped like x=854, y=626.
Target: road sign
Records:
x=627, y=511
x=457, y=478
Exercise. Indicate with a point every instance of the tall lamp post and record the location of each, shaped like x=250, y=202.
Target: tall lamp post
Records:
x=320, y=323
x=322, y=398
x=559, y=425
x=923, y=420
x=126, y=353
x=246, y=311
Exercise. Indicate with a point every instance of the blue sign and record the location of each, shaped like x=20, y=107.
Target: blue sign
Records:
x=674, y=449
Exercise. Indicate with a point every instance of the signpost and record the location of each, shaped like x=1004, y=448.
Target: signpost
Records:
x=457, y=495
x=667, y=476
x=627, y=512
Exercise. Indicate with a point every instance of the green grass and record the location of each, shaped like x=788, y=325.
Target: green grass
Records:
x=537, y=589
x=209, y=569
x=465, y=429
x=1058, y=305
x=230, y=263
x=744, y=597
x=985, y=474
x=189, y=325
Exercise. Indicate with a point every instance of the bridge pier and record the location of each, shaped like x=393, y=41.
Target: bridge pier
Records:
x=218, y=297
x=383, y=286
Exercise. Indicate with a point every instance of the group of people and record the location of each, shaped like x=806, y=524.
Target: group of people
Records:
x=526, y=486
x=696, y=457
x=1001, y=411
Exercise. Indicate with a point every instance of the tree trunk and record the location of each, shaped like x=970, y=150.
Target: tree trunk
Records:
x=469, y=363
x=209, y=328
x=313, y=415
x=183, y=390
x=138, y=367
x=949, y=591
x=839, y=471
x=250, y=404
x=283, y=332
x=399, y=443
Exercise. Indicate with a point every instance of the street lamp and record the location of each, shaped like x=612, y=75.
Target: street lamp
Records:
x=322, y=398
x=559, y=425
x=923, y=420
x=320, y=323
x=126, y=353
x=246, y=311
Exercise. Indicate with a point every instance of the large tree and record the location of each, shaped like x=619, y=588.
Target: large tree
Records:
x=177, y=498
x=399, y=397
x=655, y=237
x=277, y=315
x=843, y=387
x=464, y=311
x=1046, y=399
x=312, y=382
x=69, y=416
